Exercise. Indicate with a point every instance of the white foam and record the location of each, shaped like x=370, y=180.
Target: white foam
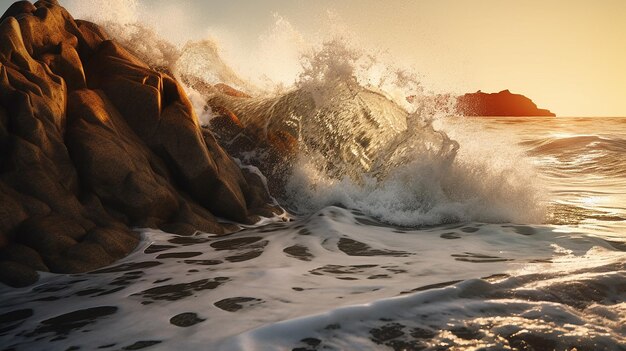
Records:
x=334, y=287
x=557, y=284
x=362, y=144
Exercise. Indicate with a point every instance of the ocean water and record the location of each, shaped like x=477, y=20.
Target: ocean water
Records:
x=339, y=279
x=406, y=227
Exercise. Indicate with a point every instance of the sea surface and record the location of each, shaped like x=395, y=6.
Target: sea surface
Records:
x=521, y=246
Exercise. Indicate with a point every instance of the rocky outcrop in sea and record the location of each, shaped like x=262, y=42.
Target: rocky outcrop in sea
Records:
x=93, y=143
x=503, y=104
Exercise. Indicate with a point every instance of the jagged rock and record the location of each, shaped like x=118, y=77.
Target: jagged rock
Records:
x=16, y=274
x=24, y=255
x=93, y=142
x=113, y=240
x=273, y=149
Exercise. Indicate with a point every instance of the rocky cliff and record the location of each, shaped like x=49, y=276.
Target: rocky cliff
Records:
x=503, y=103
x=94, y=142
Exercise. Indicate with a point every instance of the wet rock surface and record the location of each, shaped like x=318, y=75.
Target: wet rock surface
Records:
x=64, y=324
x=94, y=142
x=186, y=319
x=234, y=304
x=173, y=292
x=356, y=248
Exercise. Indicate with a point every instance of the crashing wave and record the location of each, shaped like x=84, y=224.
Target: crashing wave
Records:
x=359, y=143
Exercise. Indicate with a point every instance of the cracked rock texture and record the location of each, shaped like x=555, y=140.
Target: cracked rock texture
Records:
x=94, y=142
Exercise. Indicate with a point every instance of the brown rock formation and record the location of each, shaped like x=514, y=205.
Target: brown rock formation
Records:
x=273, y=150
x=503, y=103
x=92, y=142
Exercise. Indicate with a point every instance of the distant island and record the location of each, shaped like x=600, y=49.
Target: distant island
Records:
x=503, y=103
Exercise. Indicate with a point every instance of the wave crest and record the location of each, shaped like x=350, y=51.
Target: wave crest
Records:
x=362, y=144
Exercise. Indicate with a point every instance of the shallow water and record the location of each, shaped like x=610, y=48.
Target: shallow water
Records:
x=337, y=279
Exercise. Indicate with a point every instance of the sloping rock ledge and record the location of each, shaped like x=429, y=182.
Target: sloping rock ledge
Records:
x=94, y=142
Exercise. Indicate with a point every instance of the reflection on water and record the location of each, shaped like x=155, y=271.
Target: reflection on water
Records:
x=581, y=163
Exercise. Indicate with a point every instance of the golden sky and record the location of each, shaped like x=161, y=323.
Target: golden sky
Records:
x=568, y=56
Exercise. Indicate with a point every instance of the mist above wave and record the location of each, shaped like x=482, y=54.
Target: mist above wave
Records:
x=361, y=144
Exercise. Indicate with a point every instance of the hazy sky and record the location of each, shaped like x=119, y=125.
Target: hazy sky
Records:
x=568, y=56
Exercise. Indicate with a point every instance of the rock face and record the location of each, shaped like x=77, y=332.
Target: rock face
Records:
x=93, y=142
x=271, y=150
x=503, y=103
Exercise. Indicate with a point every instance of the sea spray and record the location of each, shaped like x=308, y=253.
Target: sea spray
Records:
x=337, y=279
x=362, y=150
x=361, y=143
